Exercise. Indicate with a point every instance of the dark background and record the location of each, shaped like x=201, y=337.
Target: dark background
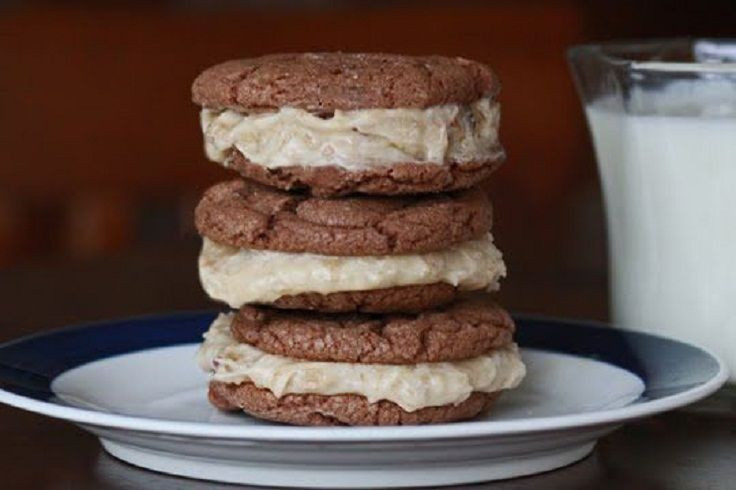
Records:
x=101, y=156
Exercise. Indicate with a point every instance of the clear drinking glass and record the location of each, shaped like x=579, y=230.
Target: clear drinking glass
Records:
x=662, y=115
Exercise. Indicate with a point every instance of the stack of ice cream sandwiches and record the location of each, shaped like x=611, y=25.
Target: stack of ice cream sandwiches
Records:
x=348, y=244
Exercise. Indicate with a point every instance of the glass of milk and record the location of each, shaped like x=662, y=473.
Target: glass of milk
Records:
x=662, y=115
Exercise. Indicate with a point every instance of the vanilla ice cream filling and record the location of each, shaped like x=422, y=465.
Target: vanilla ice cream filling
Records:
x=412, y=387
x=238, y=275
x=357, y=139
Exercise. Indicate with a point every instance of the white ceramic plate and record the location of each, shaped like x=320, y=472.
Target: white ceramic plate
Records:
x=135, y=385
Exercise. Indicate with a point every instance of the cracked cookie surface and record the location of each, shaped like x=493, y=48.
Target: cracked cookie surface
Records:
x=244, y=214
x=324, y=82
x=462, y=330
x=347, y=409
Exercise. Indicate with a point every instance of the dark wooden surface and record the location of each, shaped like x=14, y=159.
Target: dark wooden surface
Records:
x=685, y=449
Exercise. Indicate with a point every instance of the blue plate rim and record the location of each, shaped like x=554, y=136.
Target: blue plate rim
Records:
x=465, y=429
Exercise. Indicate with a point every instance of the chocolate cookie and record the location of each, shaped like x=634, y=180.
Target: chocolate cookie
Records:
x=324, y=82
x=340, y=123
x=462, y=330
x=338, y=409
x=396, y=179
x=407, y=299
x=243, y=214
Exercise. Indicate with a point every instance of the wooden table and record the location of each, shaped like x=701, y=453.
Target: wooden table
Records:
x=694, y=448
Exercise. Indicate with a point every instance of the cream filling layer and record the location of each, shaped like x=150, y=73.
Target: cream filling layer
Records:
x=412, y=387
x=239, y=276
x=357, y=139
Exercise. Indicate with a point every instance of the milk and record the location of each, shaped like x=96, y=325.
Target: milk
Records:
x=669, y=184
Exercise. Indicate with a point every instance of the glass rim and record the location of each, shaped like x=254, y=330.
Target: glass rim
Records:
x=615, y=53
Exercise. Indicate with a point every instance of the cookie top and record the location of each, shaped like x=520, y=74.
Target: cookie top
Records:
x=247, y=215
x=462, y=330
x=325, y=82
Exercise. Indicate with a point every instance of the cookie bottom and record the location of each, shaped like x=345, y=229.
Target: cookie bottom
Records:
x=403, y=299
x=321, y=410
x=400, y=178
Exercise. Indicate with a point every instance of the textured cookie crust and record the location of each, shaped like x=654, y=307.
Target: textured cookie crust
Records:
x=324, y=82
x=394, y=179
x=246, y=215
x=406, y=299
x=462, y=330
x=338, y=409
